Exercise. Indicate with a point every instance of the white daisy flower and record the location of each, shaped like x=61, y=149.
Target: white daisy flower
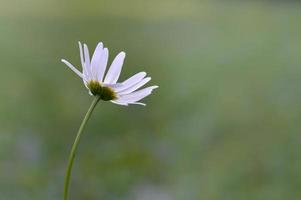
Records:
x=106, y=86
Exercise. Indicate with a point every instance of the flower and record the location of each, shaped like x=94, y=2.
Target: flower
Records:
x=106, y=86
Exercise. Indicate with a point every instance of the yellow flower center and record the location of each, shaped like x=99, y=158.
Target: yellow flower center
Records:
x=105, y=93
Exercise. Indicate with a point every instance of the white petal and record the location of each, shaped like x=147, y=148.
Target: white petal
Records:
x=87, y=55
x=87, y=62
x=95, y=61
x=115, y=69
x=85, y=72
x=139, y=103
x=81, y=54
x=90, y=93
x=132, y=81
x=127, y=102
x=114, y=86
x=116, y=102
x=86, y=83
x=135, y=87
x=102, y=64
x=72, y=68
x=136, y=96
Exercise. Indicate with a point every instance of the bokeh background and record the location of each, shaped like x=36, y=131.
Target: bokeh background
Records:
x=224, y=124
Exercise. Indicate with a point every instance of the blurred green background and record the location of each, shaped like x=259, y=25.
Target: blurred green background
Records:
x=224, y=124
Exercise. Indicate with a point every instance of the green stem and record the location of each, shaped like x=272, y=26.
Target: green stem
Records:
x=75, y=144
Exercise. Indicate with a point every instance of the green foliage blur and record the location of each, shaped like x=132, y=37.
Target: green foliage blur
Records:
x=224, y=124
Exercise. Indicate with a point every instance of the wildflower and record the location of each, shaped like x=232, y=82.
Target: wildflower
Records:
x=106, y=86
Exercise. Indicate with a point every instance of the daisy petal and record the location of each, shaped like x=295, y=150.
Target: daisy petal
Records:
x=114, y=86
x=119, y=103
x=72, y=68
x=115, y=69
x=136, y=96
x=87, y=62
x=135, y=87
x=81, y=54
x=132, y=81
x=95, y=61
x=87, y=55
x=139, y=103
x=85, y=72
x=102, y=64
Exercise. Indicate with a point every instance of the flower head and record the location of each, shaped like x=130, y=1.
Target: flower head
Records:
x=105, y=85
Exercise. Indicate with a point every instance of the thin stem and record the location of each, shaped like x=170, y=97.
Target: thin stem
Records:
x=75, y=144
